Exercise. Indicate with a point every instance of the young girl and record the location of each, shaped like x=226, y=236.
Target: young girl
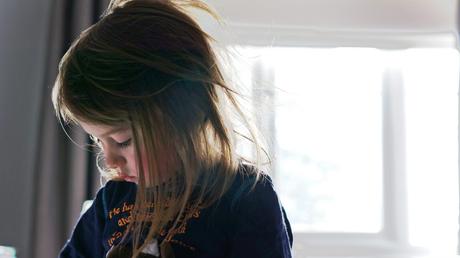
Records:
x=144, y=83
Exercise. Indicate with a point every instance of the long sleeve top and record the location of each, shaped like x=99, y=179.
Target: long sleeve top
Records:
x=242, y=224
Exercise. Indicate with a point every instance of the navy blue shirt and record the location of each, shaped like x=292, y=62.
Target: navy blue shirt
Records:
x=242, y=224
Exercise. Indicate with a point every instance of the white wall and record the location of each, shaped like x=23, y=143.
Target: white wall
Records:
x=403, y=15
x=373, y=23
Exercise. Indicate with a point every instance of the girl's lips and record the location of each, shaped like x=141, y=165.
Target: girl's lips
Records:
x=126, y=178
x=130, y=178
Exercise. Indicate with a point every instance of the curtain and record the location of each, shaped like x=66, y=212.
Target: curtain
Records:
x=65, y=173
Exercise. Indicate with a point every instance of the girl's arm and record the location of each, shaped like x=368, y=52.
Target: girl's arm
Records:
x=86, y=238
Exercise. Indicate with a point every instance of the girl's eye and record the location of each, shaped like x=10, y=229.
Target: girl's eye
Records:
x=124, y=144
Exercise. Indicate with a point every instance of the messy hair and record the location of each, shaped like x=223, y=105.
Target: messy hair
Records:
x=149, y=65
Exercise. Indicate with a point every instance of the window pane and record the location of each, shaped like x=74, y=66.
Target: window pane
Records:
x=328, y=136
x=328, y=133
x=431, y=86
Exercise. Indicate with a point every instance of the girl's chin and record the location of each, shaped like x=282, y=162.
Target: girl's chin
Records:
x=132, y=180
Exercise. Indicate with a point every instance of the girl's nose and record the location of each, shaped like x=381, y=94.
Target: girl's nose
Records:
x=114, y=160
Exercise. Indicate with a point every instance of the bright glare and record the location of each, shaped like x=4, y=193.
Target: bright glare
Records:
x=328, y=135
x=328, y=139
x=431, y=79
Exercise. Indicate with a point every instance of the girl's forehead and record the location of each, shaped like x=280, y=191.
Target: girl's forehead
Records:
x=101, y=131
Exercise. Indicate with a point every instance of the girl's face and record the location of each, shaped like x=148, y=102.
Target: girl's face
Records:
x=118, y=149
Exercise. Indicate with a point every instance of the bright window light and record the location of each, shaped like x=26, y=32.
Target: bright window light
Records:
x=328, y=137
x=431, y=83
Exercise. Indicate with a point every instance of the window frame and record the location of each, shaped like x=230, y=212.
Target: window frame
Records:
x=393, y=239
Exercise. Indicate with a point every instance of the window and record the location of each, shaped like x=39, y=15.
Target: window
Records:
x=365, y=144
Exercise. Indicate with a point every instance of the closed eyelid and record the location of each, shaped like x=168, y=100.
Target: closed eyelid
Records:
x=124, y=143
x=125, y=133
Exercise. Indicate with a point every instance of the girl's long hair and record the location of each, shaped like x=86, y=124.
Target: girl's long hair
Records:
x=148, y=64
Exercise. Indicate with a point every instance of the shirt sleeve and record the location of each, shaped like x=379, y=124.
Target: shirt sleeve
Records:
x=85, y=240
x=261, y=226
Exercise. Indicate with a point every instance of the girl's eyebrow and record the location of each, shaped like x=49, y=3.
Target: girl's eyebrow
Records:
x=114, y=130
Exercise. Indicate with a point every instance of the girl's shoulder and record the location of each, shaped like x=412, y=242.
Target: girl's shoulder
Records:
x=257, y=213
x=249, y=179
x=251, y=186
